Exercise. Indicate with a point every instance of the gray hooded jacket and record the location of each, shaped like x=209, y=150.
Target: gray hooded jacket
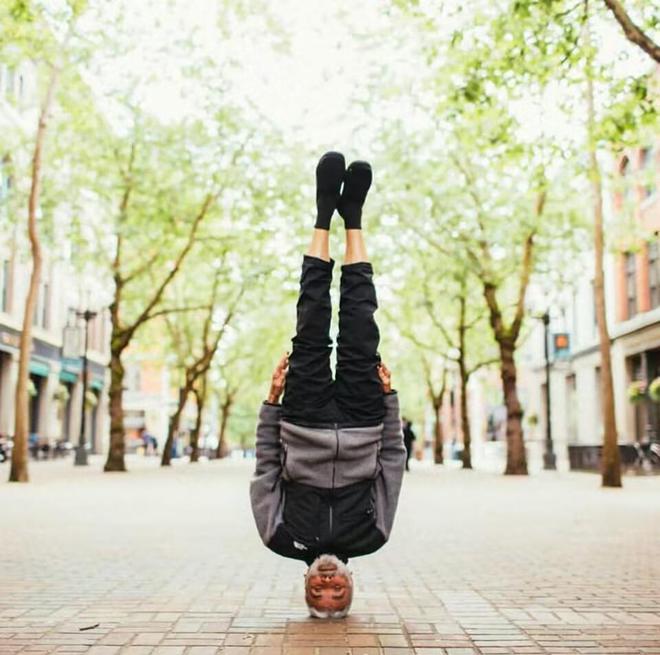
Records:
x=326, y=459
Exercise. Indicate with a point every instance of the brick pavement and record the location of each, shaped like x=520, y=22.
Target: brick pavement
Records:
x=167, y=562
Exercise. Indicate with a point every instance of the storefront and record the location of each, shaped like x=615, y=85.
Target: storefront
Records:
x=644, y=368
x=37, y=391
x=65, y=397
x=94, y=403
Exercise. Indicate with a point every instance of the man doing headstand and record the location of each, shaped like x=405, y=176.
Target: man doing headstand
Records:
x=330, y=458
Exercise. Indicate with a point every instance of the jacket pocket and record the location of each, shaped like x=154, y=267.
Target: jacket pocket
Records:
x=356, y=532
x=354, y=506
x=301, y=512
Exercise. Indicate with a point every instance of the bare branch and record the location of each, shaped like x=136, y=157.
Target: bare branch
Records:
x=437, y=324
x=177, y=310
x=127, y=176
x=478, y=365
x=633, y=32
x=155, y=299
x=526, y=271
x=424, y=234
x=139, y=270
x=472, y=191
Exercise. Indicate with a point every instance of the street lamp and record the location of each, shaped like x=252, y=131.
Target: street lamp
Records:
x=549, y=458
x=81, y=450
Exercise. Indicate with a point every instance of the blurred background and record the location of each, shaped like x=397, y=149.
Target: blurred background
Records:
x=157, y=190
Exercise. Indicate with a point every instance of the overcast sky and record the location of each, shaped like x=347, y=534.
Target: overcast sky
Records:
x=301, y=71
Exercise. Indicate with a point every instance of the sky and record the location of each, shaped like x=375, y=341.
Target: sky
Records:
x=301, y=75
x=300, y=64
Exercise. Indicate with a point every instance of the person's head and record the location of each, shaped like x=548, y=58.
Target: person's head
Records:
x=328, y=588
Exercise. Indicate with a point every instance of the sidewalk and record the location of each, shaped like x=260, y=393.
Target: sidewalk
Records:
x=169, y=562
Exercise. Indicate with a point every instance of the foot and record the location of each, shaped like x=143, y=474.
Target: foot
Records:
x=329, y=176
x=356, y=186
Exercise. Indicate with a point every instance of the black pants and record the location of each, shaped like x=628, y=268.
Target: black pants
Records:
x=355, y=397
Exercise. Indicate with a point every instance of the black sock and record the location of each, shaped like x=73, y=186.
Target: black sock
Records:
x=329, y=176
x=356, y=186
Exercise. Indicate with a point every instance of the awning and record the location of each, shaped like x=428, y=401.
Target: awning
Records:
x=96, y=383
x=68, y=376
x=39, y=368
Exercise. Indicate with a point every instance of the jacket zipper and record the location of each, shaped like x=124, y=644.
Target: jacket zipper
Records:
x=334, y=464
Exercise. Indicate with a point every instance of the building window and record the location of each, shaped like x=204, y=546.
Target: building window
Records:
x=647, y=169
x=133, y=379
x=626, y=182
x=42, y=310
x=571, y=408
x=5, y=179
x=631, y=285
x=594, y=309
x=598, y=405
x=45, y=318
x=9, y=81
x=654, y=273
x=4, y=286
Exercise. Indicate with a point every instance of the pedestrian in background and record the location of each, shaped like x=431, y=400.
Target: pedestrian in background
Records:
x=408, y=438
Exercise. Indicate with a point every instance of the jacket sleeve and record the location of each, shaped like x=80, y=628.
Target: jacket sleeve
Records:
x=392, y=464
x=265, y=487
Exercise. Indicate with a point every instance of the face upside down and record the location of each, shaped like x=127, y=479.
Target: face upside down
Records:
x=328, y=588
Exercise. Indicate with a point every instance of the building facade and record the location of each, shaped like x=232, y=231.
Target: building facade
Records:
x=55, y=385
x=632, y=282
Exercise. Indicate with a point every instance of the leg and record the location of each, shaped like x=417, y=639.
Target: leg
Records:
x=308, y=391
x=309, y=387
x=320, y=245
x=356, y=250
x=358, y=390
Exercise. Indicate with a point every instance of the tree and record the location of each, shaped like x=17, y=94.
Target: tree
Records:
x=34, y=38
x=195, y=362
x=199, y=393
x=123, y=274
x=611, y=462
x=443, y=318
x=519, y=215
x=19, y=470
x=468, y=353
x=437, y=397
x=226, y=397
x=240, y=374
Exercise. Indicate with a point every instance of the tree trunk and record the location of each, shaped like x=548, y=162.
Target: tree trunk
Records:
x=222, y=449
x=194, y=438
x=194, y=435
x=19, y=459
x=465, y=418
x=516, y=459
x=464, y=375
x=173, y=426
x=115, y=461
x=122, y=334
x=438, y=433
x=611, y=461
x=18, y=471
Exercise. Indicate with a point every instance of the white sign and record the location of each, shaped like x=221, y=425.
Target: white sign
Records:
x=72, y=342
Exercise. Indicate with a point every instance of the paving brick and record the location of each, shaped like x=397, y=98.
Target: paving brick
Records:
x=546, y=565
